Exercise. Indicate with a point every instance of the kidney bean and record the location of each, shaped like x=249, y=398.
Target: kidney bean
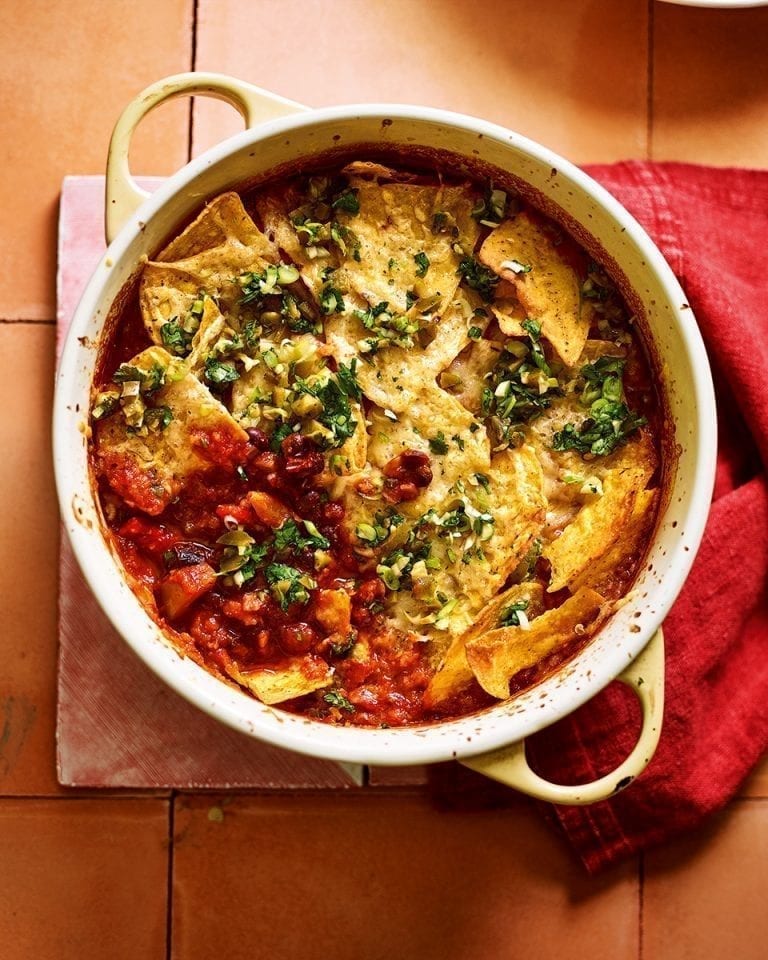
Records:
x=405, y=475
x=259, y=439
x=297, y=637
x=301, y=456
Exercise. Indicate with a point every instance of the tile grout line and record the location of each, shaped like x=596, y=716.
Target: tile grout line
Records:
x=37, y=323
x=641, y=906
x=169, y=878
x=650, y=82
x=193, y=67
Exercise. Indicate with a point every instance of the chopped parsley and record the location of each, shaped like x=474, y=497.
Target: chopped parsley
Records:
x=346, y=240
x=288, y=585
x=521, y=387
x=175, y=338
x=375, y=533
x=422, y=264
x=289, y=537
x=492, y=208
x=509, y=616
x=297, y=315
x=149, y=380
x=478, y=277
x=474, y=333
x=337, y=699
x=439, y=444
x=610, y=421
x=218, y=372
x=331, y=300
x=158, y=417
x=242, y=558
x=334, y=394
x=256, y=286
x=387, y=328
x=280, y=433
x=347, y=201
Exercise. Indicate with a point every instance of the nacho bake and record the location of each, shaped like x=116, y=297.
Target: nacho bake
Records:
x=378, y=445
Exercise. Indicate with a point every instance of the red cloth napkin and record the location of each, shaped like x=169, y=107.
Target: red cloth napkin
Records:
x=712, y=226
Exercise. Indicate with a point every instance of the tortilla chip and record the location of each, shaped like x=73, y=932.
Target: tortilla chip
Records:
x=470, y=570
x=454, y=673
x=605, y=574
x=293, y=678
x=594, y=349
x=394, y=226
x=549, y=290
x=495, y=657
x=212, y=327
x=509, y=315
x=150, y=471
x=274, y=210
x=429, y=413
x=595, y=528
x=394, y=377
x=209, y=256
x=471, y=367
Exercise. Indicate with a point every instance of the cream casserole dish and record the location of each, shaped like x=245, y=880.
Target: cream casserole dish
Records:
x=607, y=232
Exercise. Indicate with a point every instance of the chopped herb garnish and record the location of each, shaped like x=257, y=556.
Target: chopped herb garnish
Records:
x=422, y=264
x=438, y=444
x=509, y=616
x=474, y=333
x=281, y=432
x=256, y=286
x=289, y=537
x=386, y=328
x=158, y=417
x=347, y=201
x=346, y=240
x=149, y=380
x=375, y=533
x=219, y=372
x=331, y=300
x=492, y=208
x=242, y=558
x=288, y=585
x=610, y=421
x=175, y=338
x=334, y=394
x=337, y=699
x=478, y=277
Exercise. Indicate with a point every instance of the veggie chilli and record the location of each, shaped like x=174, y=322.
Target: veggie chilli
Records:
x=375, y=444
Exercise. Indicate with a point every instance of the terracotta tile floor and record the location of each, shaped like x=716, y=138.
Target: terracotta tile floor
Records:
x=384, y=874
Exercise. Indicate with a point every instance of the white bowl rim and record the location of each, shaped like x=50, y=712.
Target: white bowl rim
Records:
x=403, y=745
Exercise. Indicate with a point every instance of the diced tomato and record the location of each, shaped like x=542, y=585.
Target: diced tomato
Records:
x=140, y=489
x=268, y=509
x=223, y=446
x=183, y=586
x=153, y=538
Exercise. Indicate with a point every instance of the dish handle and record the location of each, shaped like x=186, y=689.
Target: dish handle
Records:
x=123, y=194
x=645, y=677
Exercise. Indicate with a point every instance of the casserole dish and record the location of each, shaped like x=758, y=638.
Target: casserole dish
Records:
x=628, y=648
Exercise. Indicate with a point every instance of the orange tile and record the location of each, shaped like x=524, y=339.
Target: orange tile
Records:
x=83, y=879
x=757, y=783
x=28, y=562
x=710, y=104
x=69, y=68
x=570, y=73
x=704, y=896
x=384, y=876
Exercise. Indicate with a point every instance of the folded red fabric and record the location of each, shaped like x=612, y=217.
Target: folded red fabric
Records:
x=712, y=226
